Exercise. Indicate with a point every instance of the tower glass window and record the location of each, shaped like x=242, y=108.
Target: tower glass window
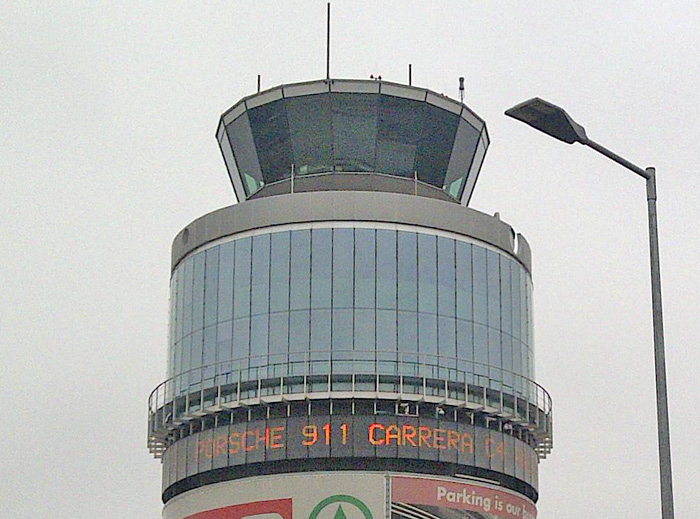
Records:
x=336, y=292
x=408, y=135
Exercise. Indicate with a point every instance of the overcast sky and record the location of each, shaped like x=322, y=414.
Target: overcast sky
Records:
x=107, y=149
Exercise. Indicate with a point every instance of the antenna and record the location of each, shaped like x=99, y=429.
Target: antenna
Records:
x=461, y=90
x=410, y=82
x=258, y=83
x=328, y=42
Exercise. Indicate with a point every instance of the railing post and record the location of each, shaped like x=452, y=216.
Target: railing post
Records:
x=501, y=391
x=201, y=390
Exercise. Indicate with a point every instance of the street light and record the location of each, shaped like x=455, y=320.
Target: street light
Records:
x=554, y=121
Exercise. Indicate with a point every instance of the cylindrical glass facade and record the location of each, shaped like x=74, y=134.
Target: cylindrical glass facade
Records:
x=350, y=298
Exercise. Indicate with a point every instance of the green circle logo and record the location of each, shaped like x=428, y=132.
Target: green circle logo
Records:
x=340, y=513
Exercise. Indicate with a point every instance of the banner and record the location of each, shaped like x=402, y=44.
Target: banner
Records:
x=436, y=497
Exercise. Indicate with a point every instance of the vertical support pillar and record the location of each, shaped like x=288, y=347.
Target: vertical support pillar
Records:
x=659, y=354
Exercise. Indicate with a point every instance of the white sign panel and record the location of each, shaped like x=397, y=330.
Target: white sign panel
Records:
x=331, y=495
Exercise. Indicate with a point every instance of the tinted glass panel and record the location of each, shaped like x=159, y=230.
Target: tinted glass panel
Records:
x=437, y=138
x=224, y=334
x=386, y=269
x=468, y=186
x=516, y=272
x=241, y=285
x=386, y=330
x=364, y=268
x=258, y=339
x=196, y=351
x=342, y=268
x=494, y=289
x=241, y=139
x=427, y=273
x=321, y=261
x=408, y=331
x=241, y=337
x=260, y=289
x=271, y=134
x=320, y=330
x=465, y=340
x=211, y=286
x=364, y=330
x=400, y=121
x=354, y=131
x=462, y=155
x=479, y=285
x=446, y=276
x=279, y=272
x=299, y=331
x=225, y=292
x=279, y=336
x=506, y=318
x=198, y=292
x=427, y=330
x=187, y=301
x=300, y=270
x=481, y=349
x=179, y=301
x=342, y=329
x=446, y=342
x=407, y=271
x=310, y=132
x=209, y=347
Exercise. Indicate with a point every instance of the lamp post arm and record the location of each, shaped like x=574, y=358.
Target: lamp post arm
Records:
x=614, y=156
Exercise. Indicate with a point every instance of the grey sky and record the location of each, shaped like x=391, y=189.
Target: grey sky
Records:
x=107, y=149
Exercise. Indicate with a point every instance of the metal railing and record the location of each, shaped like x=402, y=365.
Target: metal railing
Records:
x=330, y=374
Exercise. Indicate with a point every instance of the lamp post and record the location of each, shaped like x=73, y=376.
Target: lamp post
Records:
x=555, y=122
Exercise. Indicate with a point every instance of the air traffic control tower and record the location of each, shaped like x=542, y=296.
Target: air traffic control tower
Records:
x=350, y=340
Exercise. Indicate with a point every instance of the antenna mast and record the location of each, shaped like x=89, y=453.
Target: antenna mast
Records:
x=328, y=42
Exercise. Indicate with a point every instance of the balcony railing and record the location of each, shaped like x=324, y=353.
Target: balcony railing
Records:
x=336, y=374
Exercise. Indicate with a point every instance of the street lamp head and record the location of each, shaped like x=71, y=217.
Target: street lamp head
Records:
x=550, y=119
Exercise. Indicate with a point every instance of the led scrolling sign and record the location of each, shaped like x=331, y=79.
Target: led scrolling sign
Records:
x=375, y=434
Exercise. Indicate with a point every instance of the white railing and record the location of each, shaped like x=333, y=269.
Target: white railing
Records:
x=349, y=374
